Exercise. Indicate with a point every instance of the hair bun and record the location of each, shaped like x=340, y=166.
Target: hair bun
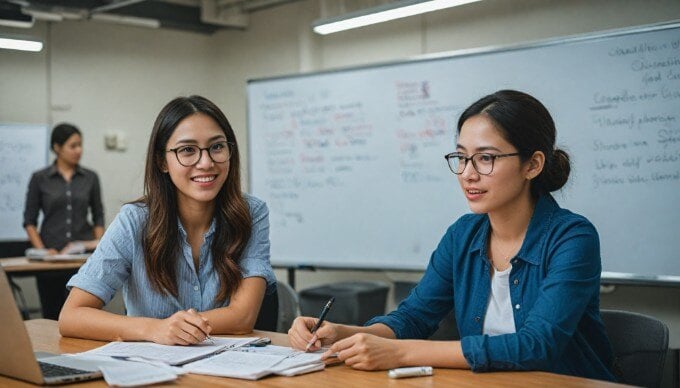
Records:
x=557, y=171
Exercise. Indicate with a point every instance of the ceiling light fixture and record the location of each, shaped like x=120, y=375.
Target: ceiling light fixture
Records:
x=383, y=13
x=20, y=44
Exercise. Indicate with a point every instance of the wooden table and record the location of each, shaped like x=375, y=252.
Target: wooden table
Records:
x=25, y=267
x=45, y=337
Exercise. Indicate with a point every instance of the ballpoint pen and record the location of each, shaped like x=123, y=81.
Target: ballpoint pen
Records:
x=322, y=317
x=176, y=302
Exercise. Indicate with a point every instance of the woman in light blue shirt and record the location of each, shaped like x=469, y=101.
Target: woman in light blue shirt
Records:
x=521, y=274
x=192, y=255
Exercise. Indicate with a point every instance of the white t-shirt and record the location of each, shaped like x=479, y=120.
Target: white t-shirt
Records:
x=499, y=318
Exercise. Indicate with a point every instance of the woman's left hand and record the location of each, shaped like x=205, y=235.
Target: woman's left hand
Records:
x=368, y=352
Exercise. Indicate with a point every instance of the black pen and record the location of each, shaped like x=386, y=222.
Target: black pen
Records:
x=324, y=312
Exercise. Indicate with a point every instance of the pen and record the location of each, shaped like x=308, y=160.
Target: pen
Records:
x=324, y=312
x=208, y=338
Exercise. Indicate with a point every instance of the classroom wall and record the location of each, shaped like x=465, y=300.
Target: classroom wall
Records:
x=106, y=77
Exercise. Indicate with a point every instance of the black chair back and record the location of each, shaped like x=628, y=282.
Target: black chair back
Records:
x=268, y=317
x=640, y=344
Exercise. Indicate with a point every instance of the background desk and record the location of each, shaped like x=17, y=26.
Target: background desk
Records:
x=25, y=267
x=45, y=337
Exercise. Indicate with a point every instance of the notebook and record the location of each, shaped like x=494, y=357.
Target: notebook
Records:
x=17, y=359
x=253, y=363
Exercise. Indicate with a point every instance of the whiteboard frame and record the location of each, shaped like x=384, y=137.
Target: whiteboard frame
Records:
x=8, y=125
x=621, y=278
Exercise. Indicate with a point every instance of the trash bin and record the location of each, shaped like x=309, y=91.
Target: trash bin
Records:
x=355, y=302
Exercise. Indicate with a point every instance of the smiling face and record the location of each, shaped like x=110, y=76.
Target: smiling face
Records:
x=71, y=151
x=198, y=184
x=508, y=183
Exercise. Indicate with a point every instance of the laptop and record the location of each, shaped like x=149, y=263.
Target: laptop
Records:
x=17, y=359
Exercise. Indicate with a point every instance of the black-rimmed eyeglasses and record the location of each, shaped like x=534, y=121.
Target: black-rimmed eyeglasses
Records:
x=190, y=155
x=481, y=161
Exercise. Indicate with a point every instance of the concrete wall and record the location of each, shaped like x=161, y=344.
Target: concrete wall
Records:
x=106, y=77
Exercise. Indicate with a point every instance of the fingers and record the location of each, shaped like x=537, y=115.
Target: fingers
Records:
x=189, y=327
x=344, y=348
x=299, y=334
x=354, y=351
x=199, y=321
x=312, y=343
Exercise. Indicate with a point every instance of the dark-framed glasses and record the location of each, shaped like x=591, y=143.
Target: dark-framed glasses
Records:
x=190, y=155
x=481, y=161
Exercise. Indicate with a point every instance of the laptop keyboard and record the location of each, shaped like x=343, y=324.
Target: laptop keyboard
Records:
x=51, y=370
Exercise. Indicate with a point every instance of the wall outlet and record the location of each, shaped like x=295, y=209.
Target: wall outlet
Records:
x=115, y=141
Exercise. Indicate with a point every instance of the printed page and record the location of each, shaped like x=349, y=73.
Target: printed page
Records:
x=294, y=359
x=169, y=354
x=136, y=374
x=237, y=364
x=300, y=370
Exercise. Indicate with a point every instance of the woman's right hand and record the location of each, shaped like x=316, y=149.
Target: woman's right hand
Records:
x=300, y=334
x=185, y=327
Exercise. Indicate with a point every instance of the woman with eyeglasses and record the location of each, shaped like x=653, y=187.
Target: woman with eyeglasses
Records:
x=192, y=255
x=521, y=274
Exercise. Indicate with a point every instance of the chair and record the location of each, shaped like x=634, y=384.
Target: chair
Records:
x=289, y=306
x=355, y=301
x=15, y=249
x=268, y=316
x=448, y=328
x=640, y=344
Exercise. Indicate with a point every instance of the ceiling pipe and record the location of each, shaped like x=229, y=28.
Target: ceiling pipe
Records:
x=115, y=5
x=213, y=13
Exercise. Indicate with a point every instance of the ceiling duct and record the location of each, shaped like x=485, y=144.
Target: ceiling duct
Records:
x=11, y=16
x=226, y=16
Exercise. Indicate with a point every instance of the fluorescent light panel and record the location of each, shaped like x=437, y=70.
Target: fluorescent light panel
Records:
x=20, y=44
x=397, y=10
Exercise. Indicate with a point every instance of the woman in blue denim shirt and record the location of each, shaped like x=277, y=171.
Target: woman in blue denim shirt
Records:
x=192, y=256
x=521, y=274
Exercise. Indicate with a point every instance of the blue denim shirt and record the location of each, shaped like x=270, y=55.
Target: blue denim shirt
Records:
x=118, y=263
x=554, y=288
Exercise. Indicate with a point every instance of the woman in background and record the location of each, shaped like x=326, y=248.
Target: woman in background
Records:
x=521, y=274
x=65, y=193
x=192, y=255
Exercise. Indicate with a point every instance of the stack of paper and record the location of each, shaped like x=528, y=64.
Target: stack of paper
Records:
x=252, y=363
x=168, y=354
x=228, y=357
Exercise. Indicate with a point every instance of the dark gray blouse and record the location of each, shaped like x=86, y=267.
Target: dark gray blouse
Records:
x=64, y=205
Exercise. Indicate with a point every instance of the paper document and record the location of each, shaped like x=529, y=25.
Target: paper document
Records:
x=169, y=354
x=252, y=363
x=136, y=374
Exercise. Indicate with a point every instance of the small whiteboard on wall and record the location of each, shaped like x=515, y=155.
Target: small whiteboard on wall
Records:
x=23, y=150
x=351, y=162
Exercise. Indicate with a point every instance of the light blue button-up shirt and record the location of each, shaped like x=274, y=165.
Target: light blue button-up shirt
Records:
x=118, y=264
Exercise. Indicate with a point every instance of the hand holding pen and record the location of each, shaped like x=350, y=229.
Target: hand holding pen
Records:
x=185, y=327
x=318, y=324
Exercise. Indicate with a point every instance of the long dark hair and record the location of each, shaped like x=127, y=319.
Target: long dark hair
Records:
x=233, y=224
x=526, y=124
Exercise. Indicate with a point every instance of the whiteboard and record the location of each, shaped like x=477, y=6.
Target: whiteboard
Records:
x=351, y=162
x=23, y=150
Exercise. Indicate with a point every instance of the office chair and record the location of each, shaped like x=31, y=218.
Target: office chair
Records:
x=448, y=328
x=16, y=249
x=640, y=344
x=268, y=316
x=289, y=307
